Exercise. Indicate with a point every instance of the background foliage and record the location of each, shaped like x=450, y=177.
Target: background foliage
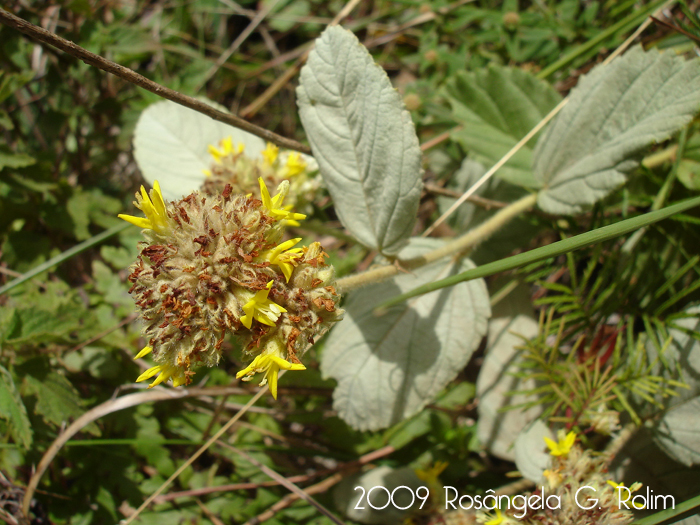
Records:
x=67, y=336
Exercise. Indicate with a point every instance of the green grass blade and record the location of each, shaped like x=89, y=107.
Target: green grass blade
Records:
x=625, y=24
x=682, y=510
x=557, y=248
x=75, y=250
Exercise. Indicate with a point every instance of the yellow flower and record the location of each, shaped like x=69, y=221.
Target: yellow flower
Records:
x=430, y=475
x=156, y=215
x=634, y=487
x=274, y=204
x=262, y=309
x=270, y=153
x=284, y=257
x=564, y=445
x=295, y=164
x=226, y=149
x=166, y=372
x=497, y=520
x=271, y=365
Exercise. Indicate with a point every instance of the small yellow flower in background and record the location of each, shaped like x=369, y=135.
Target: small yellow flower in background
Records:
x=270, y=153
x=295, y=164
x=496, y=520
x=262, y=309
x=274, y=204
x=553, y=477
x=430, y=475
x=270, y=364
x=633, y=488
x=227, y=148
x=563, y=446
x=154, y=207
x=165, y=372
x=284, y=257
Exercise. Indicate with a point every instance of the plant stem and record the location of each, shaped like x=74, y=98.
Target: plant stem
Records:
x=455, y=248
x=47, y=37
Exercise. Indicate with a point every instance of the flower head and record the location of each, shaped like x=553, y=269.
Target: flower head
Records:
x=154, y=207
x=261, y=308
x=207, y=268
x=563, y=446
x=270, y=364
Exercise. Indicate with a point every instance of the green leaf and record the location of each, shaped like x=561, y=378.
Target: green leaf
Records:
x=9, y=159
x=497, y=107
x=678, y=432
x=363, y=139
x=615, y=111
x=388, y=368
x=13, y=410
x=58, y=401
x=497, y=429
x=171, y=141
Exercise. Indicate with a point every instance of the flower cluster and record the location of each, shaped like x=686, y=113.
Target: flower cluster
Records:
x=216, y=264
x=577, y=489
x=231, y=166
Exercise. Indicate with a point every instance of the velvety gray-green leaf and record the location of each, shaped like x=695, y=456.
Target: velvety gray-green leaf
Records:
x=678, y=432
x=615, y=112
x=13, y=410
x=531, y=454
x=498, y=106
x=363, y=139
x=171, y=141
x=497, y=430
x=388, y=368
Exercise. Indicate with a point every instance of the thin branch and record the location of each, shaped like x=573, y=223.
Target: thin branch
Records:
x=47, y=37
x=299, y=493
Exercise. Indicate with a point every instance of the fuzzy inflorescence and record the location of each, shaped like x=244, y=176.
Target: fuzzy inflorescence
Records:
x=217, y=264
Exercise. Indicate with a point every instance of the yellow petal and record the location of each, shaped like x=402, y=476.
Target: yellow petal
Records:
x=144, y=352
x=158, y=201
x=272, y=380
x=283, y=363
x=149, y=373
x=141, y=222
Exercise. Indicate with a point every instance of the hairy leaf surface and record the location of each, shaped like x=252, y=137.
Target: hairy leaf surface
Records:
x=613, y=114
x=388, y=368
x=363, y=139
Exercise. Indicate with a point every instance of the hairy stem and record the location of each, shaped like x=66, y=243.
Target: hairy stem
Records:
x=455, y=248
